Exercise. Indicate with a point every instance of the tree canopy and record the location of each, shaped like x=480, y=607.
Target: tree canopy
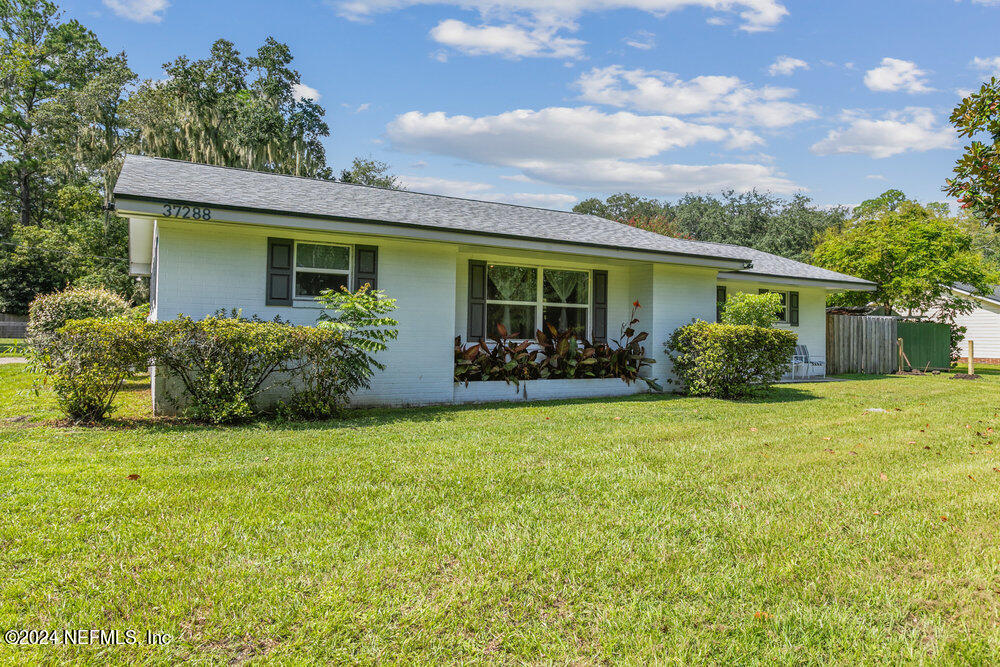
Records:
x=70, y=111
x=976, y=184
x=786, y=227
x=912, y=252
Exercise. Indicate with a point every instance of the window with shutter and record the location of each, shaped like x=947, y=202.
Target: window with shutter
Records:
x=600, y=325
x=793, y=308
x=279, y=271
x=720, y=302
x=365, y=266
x=477, y=300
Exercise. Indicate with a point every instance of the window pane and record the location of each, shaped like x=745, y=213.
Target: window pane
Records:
x=566, y=319
x=564, y=286
x=519, y=320
x=512, y=283
x=311, y=284
x=313, y=256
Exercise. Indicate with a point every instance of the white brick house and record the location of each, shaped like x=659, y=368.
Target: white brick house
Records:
x=213, y=237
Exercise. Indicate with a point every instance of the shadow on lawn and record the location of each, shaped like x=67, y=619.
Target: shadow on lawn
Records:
x=370, y=417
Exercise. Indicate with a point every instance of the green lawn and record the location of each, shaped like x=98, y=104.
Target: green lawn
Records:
x=801, y=529
x=11, y=347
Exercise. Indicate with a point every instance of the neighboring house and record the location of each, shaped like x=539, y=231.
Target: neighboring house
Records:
x=214, y=237
x=982, y=325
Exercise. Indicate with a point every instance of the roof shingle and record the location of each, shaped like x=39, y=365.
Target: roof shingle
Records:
x=175, y=180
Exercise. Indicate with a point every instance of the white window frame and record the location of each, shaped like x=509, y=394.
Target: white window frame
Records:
x=538, y=303
x=349, y=272
x=785, y=306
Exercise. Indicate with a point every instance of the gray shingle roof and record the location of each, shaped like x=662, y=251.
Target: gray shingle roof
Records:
x=993, y=296
x=766, y=264
x=174, y=180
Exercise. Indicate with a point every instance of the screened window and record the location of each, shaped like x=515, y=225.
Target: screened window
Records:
x=320, y=266
x=522, y=298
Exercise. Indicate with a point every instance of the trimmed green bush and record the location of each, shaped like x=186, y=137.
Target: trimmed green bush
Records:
x=756, y=310
x=49, y=312
x=729, y=360
x=224, y=362
x=87, y=361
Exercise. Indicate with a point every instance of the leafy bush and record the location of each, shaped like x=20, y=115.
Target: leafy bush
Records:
x=225, y=361
x=756, y=310
x=554, y=355
x=87, y=361
x=51, y=311
x=729, y=360
x=339, y=354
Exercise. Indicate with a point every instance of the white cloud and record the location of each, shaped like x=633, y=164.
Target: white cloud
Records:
x=301, y=91
x=876, y=177
x=663, y=179
x=521, y=137
x=585, y=148
x=528, y=16
x=990, y=66
x=509, y=41
x=714, y=98
x=485, y=192
x=642, y=40
x=897, y=75
x=786, y=65
x=142, y=11
x=913, y=129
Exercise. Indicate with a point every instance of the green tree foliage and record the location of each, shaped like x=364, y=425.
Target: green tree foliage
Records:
x=913, y=253
x=747, y=309
x=368, y=171
x=729, y=360
x=753, y=219
x=976, y=184
x=33, y=261
x=42, y=59
x=234, y=111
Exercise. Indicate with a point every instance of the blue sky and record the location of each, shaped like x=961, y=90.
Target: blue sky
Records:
x=545, y=102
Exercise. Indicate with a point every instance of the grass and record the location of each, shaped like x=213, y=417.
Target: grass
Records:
x=11, y=347
x=799, y=529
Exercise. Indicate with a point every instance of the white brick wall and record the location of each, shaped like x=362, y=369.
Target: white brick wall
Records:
x=203, y=269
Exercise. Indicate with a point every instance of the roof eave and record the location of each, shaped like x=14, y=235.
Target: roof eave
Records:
x=838, y=285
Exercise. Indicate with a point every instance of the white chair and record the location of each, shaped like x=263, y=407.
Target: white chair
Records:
x=804, y=359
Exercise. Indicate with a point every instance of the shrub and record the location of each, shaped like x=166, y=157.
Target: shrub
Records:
x=87, y=361
x=729, y=360
x=225, y=361
x=553, y=355
x=757, y=310
x=338, y=357
x=51, y=311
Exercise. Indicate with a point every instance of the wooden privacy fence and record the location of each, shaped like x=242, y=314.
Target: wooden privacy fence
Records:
x=861, y=344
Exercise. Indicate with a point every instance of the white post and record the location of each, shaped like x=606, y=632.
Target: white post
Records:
x=972, y=370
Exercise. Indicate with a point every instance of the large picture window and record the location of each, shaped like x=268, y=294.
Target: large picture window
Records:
x=522, y=298
x=321, y=266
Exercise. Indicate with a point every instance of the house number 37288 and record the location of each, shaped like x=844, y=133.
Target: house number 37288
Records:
x=187, y=212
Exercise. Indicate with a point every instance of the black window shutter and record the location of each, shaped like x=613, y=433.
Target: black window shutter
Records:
x=365, y=266
x=600, y=310
x=279, y=272
x=477, y=300
x=793, y=308
x=720, y=302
